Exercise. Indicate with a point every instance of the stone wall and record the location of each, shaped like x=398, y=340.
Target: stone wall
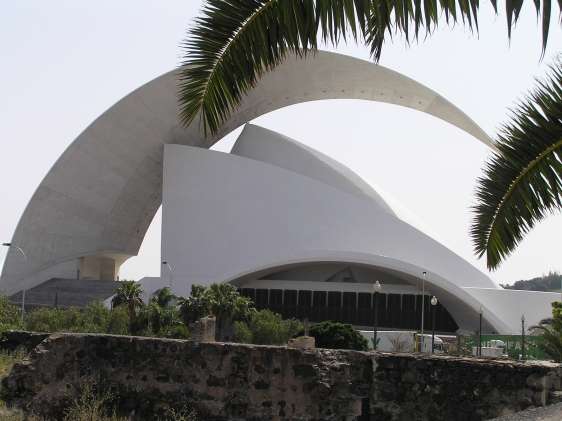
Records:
x=14, y=339
x=243, y=382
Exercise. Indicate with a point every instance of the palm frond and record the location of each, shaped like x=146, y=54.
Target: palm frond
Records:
x=234, y=42
x=522, y=181
x=231, y=45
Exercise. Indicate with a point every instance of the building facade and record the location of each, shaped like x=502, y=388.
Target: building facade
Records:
x=270, y=213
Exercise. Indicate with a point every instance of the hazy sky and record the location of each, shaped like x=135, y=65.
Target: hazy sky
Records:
x=65, y=62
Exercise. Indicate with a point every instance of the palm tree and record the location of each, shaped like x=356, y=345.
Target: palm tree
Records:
x=522, y=181
x=163, y=297
x=129, y=293
x=195, y=306
x=161, y=313
x=235, y=42
x=220, y=300
x=227, y=305
x=551, y=333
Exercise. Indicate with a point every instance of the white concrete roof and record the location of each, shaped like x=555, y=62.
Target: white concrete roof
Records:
x=102, y=193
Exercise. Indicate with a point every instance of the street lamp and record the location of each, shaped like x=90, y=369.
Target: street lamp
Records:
x=164, y=262
x=480, y=333
x=377, y=287
x=523, y=337
x=424, y=274
x=433, y=306
x=10, y=245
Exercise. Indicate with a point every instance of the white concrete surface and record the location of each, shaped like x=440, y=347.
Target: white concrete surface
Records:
x=513, y=304
x=274, y=205
x=250, y=216
x=99, y=198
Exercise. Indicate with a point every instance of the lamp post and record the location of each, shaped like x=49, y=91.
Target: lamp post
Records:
x=424, y=275
x=377, y=287
x=165, y=263
x=433, y=306
x=523, y=337
x=11, y=245
x=480, y=332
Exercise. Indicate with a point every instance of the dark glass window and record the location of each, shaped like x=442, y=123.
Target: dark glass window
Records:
x=319, y=299
x=364, y=310
x=249, y=292
x=394, y=310
x=409, y=311
x=379, y=301
x=290, y=303
x=276, y=300
x=334, y=305
x=319, y=309
x=350, y=307
x=334, y=299
x=304, y=304
x=262, y=298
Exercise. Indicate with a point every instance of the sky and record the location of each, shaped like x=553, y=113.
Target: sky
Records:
x=65, y=62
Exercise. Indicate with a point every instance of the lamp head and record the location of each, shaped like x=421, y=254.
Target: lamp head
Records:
x=434, y=300
x=377, y=287
x=7, y=244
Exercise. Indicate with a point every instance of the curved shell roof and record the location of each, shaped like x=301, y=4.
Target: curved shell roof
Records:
x=102, y=193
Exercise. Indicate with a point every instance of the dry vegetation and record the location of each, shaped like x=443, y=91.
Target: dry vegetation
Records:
x=90, y=405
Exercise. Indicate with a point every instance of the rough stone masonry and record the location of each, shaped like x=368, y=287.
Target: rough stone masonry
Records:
x=245, y=382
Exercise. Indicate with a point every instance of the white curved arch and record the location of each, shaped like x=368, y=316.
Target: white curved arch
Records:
x=100, y=196
x=463, y=306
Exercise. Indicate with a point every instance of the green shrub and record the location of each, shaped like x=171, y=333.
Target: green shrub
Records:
x=9, y=315
x=118, y=323
x=95, y=318
x=52, y=320
x=178, y=331
x=265, y=327
x=242, y=333
x=337, y=335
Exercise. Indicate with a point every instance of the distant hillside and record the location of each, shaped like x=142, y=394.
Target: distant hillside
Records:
x=550, y=282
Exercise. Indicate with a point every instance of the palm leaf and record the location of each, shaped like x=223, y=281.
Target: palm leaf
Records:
x=522, y=181
x=234, y=42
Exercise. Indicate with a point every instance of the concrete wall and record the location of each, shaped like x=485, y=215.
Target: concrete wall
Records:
x=99, y=268
x=243, y=382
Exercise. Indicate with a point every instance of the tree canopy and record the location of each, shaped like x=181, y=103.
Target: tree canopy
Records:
x=522, y=181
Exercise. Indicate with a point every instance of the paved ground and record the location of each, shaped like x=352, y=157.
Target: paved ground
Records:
x=547, y=413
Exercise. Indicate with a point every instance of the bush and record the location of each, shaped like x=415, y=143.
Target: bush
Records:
x=52, y=320
x=265, y=327
x=118, y=323
x=9, y=315
x=337, y=335
x=95, y=318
